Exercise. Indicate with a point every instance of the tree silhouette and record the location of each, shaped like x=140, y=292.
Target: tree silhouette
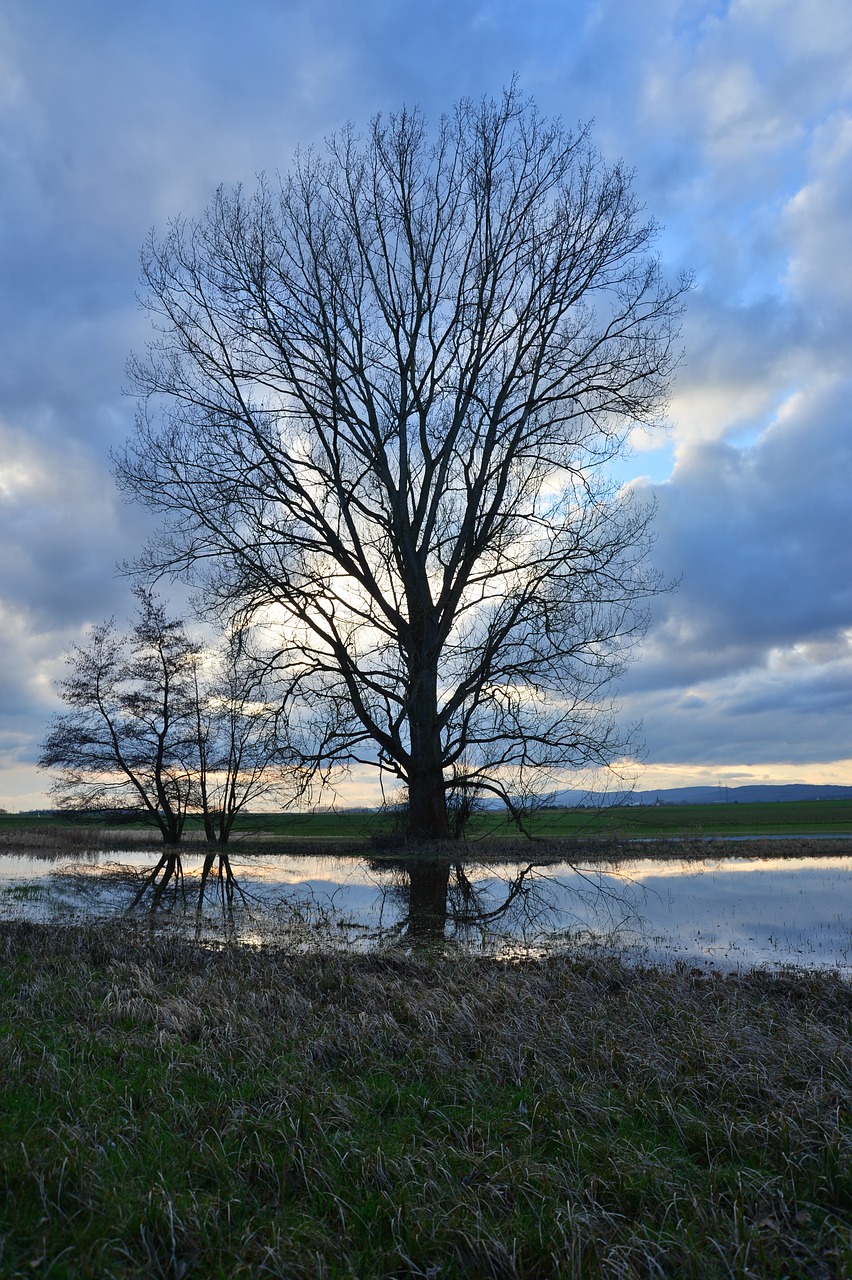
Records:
x=382, y=399
x=127, y=740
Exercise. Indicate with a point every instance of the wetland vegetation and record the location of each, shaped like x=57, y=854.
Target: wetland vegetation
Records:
x=182, y=1109
x=174, y=1110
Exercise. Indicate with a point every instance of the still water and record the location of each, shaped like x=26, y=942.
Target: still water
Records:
x=735, y=912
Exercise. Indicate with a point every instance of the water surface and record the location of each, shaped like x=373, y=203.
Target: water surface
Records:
x=735, y=912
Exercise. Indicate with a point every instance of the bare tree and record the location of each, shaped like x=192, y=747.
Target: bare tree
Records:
x=127, y=740
x=382, y=399
x=162, y=725
x=241, y=734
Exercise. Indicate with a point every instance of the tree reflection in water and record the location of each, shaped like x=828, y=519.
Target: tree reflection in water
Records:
x=433, y=896
x=420, y=900
x=427, y=891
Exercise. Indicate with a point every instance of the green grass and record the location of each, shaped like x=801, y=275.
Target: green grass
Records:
x=171, y=1111
x=794, y=817
x=787, y=817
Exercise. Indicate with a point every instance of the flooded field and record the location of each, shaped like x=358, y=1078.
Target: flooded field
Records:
x=734, y=912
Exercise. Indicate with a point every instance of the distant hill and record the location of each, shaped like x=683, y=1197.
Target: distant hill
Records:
x=751, y=794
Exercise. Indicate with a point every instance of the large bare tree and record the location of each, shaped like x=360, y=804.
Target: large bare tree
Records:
x=382, y=399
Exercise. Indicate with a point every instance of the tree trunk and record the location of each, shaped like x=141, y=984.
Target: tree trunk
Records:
x=169, y=826
x=427, y=797
x=428, y=880
x=172, y=827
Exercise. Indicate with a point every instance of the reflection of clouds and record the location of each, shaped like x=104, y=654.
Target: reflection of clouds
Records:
x=793, y=911
x=641, y=870
x=731, y=911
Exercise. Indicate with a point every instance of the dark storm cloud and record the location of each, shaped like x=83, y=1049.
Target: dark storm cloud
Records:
x=792, y=710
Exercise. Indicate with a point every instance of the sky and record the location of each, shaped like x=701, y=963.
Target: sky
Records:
x=737, y=119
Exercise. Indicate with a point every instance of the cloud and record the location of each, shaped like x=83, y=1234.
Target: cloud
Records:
x=738, y=118
x=754, y=519
x=750, y=659
x=755, y=537
x=816, y=221
x=791, y=709
x=63, y=529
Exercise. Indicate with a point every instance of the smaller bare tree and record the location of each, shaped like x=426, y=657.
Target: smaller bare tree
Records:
x=241, y=736
x=127, y=740
x=159, y=724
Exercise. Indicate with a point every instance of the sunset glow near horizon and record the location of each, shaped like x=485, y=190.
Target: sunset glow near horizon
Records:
x=737, y=117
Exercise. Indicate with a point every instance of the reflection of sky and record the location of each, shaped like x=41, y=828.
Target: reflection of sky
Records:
x=737, y=911
x=644, y=868
x=732, y=912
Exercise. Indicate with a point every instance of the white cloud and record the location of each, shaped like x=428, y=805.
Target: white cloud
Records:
x=817, y=221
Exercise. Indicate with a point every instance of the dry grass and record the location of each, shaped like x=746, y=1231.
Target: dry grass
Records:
x=58, y=840
x=173, y=1111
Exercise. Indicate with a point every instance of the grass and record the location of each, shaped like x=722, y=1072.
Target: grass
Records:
x=785, y=817
x=172, y=1111
x=790, y=817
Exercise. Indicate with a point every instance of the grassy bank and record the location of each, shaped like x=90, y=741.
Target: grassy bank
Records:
x=788, y=818
x=791, y=817
x=171, y=1111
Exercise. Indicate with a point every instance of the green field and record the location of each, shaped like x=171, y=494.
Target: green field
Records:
x=792, y=817
x=783, y=818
